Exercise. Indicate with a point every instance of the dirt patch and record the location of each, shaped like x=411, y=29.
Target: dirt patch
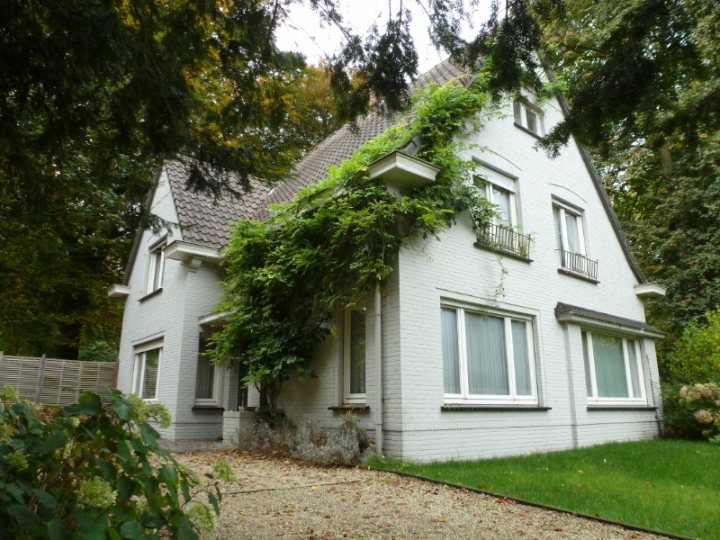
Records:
x=284, y=499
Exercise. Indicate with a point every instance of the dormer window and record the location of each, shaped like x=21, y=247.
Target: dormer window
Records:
x=156, y=265
x=528, y=117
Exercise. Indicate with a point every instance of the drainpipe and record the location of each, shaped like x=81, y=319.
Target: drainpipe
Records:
x=378, y=372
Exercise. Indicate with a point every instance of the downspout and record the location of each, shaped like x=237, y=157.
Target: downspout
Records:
x=378, y=372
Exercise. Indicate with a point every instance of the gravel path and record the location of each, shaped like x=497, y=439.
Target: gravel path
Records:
x=283, y=499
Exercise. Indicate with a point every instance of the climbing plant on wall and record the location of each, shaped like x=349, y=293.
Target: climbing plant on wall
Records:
x=338, y=239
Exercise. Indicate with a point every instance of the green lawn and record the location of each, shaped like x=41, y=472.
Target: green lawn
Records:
x=671, y=486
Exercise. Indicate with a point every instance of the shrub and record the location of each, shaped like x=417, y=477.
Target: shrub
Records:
x=696, y=355
x=264, y=438
x=693, y=411
x=89, y=471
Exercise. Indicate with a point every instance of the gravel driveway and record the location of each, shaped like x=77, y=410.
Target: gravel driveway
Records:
x=283, y=499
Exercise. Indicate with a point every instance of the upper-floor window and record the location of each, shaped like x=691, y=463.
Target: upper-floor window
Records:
x=354, y=355
x=156, y=266
x=528, y=117
x=146, y=371
x=487, y=357
x=570, y=235
x=613, y=368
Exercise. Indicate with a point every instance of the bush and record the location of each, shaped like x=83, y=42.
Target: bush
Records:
x=89, y=471
x=693, y=412
x=345, y=445
x=696, y=355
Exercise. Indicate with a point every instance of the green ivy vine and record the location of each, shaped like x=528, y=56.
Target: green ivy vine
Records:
x=337, y=239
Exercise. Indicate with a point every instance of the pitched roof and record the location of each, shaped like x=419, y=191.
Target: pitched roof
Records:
x=205, y=219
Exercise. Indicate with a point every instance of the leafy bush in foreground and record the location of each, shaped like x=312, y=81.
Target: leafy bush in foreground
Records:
x=693, y=411
x=88, y=471
x=696, y=355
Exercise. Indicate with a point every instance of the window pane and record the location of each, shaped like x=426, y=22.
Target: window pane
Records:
x=149, y=386
x=451, y=356
x=634, y=372
x=532, y=123
x=486, y=355
x=558, y=227
x=205, y=377
x=501, y=197
x=609, y=366
x=572, y=223
x=517, y=111
x=357, y=352
x=586, y=358
x=522, y=358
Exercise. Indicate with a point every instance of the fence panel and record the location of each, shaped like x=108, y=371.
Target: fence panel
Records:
x=53, y=381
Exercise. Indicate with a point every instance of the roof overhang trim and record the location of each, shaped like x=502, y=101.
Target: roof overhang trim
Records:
x=603, y=321
x=213, y=319
x=179, y=250
x=399, y=169
x=650, y=290
x=118, y=291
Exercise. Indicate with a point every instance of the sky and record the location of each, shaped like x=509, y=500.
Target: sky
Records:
x=302, y=31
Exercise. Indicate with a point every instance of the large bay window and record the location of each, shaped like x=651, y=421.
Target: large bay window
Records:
x=487, y=357
x=354, y=356
x=613, y=369
x=146, y=370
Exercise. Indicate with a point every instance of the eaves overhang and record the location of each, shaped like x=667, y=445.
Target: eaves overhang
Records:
x=180, y=250
x=401, y=170
x=588, y=318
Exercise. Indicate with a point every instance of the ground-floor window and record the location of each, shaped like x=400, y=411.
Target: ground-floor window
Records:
x=613, y=368
x=207, y=378
x=354, y=355
x=487, y=356
x=146, y=370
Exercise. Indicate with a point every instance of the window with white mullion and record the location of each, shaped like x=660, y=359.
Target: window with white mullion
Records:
x=614, y=368
x=156, y=267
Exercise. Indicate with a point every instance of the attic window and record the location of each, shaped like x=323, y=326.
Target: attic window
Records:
x=156, y=266
x=528, y=117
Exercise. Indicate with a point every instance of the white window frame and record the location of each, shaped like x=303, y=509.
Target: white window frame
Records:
x=156, y=256
x=139, y=365
x=489, y=184
x=216, y=398
x=594, y=399
x=347, y=353
x=564, y=210
x=521, y=109
x=465, y=397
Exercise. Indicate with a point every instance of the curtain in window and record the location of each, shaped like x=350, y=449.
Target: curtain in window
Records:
x=152, y=361
x=531, y=120
x=451, y=356
x=205, y=377
x=522, y=358
x=586, y=358
x=501, y=197
x=609, y=366
x=357, y=352
x=573, y=239
x=634, y=372
x=517, y=112
x=558, y=227
x=486, y=355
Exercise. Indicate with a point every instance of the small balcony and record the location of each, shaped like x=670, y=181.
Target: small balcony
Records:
x=504, y=240
x=576, y=263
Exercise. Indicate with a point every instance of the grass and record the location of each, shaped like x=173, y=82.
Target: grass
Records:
x=667, y=485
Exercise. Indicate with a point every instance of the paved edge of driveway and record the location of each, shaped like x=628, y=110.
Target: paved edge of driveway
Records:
x=538, y=505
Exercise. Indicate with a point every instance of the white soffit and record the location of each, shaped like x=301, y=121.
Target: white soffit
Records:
x=402, y=170
x=650, y=290
x=186, y=251
x=118, y=291
x=213, y=319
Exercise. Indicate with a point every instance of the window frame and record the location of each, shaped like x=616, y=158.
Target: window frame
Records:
x=139, y=366
x=156, y=257
x=565, y=209
x=348, y=397
x=514, y=222
x=590, y=370
x=512, y=398
x=520, y=117
x=217, y=379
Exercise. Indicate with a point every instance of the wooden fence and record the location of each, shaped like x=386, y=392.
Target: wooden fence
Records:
x=52, y=381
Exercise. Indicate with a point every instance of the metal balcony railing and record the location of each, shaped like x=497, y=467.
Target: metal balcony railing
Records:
x=505, y=239
x=578, y=263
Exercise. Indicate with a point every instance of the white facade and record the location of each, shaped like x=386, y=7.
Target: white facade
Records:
x=416, y=416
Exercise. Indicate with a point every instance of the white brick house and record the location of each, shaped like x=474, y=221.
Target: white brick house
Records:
x=528, y=337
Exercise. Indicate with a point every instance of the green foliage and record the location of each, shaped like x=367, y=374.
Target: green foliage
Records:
x=696, y=355
x=94, y=471
x=338, y=239
x=693, y=412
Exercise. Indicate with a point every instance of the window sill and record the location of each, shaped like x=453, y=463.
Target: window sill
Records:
x=504, y=252
x=577, y=275
x=628, y=407
x=526, y=130
x=208, y=408
x=351, y=407
x=491, y=407
x=151, y=294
